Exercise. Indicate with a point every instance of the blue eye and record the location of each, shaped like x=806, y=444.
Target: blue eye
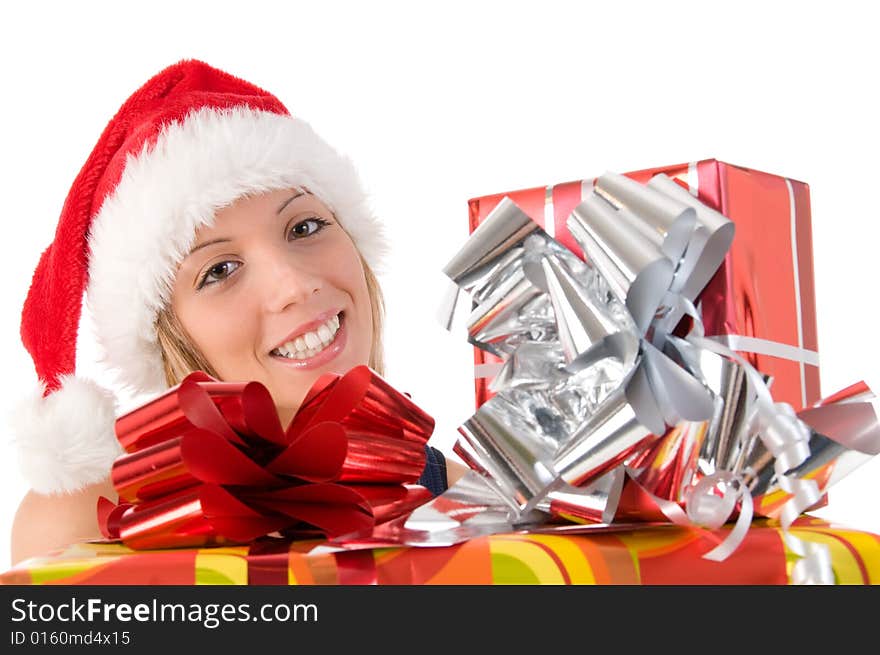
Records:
x=217, y=273
x=307, y=228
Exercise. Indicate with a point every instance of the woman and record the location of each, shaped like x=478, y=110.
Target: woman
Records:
x=208, y=230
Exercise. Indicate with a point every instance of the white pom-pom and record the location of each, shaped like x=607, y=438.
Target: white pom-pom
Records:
x=66, y=440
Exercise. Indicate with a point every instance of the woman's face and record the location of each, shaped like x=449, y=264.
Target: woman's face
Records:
x=275, y=292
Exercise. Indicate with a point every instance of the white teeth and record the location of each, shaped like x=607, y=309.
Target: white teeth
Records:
x=311, y=343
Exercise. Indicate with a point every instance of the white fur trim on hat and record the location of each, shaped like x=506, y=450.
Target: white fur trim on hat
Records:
x=66, y=440
x=171, y=188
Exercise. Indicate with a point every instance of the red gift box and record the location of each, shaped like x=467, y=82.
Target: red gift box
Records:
x=763, y=290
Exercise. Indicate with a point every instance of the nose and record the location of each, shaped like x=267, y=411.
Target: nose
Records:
x=287, y=280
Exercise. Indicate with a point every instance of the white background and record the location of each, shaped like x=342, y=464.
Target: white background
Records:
x=441, y=102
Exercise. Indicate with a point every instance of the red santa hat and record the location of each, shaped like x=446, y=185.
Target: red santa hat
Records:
x=188, y=142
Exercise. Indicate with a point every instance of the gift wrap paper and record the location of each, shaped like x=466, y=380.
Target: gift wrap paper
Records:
x=764, y=290
x=655, y=555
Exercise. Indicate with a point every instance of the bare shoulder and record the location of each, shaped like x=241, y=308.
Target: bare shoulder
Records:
x=44, y=523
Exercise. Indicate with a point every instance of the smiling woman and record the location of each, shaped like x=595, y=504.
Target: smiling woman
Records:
x=208, y=230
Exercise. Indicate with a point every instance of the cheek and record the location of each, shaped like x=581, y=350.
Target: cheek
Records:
x=349, y=277
x=224, y=343
x=365, y=307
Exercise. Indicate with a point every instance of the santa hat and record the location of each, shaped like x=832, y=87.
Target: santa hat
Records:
x=188, y=142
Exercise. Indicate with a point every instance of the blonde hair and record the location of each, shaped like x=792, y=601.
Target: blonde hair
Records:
x=180, y=357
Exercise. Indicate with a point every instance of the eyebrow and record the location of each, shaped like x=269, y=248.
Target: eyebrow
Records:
x=207, y=243
x=288, y=201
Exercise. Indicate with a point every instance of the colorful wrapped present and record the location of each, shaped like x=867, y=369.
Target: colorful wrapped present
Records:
x=657, y=555
x=764, y=290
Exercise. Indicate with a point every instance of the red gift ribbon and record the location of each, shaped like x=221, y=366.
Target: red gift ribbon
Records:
x=208, y=462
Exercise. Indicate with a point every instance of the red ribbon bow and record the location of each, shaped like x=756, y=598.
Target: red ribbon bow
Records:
x=208, y=462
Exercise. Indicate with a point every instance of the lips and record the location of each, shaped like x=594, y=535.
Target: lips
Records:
x=313, y=343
